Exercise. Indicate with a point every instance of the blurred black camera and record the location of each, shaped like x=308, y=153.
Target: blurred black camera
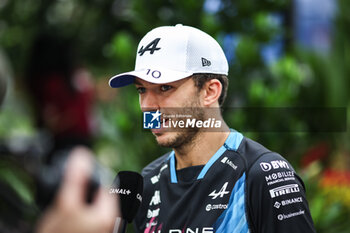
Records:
x=30, y=181
x=49, y=176
x=46, y=172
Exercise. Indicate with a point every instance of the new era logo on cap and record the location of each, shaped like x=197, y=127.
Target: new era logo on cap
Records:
x=175, y=52
x=205, y=62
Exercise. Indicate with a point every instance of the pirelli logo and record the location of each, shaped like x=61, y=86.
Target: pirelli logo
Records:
x=283, y=190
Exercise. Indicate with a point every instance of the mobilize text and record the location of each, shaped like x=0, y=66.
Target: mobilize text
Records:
x=278, y=177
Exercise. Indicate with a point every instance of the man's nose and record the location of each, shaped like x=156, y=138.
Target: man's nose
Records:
x=149, y=102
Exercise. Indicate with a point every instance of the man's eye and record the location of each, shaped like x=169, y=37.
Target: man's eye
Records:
x=165, y=87
x=141, y=90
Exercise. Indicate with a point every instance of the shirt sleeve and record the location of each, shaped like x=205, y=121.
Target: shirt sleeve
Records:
x=276, y=199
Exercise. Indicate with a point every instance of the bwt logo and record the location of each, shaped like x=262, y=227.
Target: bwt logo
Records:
x=273, y=165
x=151, y=120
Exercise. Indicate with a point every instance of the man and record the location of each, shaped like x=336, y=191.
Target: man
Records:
x=215, y=181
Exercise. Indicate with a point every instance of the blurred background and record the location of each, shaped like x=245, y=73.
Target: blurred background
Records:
x=284, y=55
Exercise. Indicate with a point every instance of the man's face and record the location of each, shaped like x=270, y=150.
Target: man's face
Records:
x=179, y=94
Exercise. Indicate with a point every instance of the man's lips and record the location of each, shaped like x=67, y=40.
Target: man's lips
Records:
x=161, y=129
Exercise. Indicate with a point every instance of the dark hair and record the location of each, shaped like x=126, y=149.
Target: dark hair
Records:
x=201, y=78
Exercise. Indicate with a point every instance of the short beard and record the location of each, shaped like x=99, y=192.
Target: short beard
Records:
x=185, y=138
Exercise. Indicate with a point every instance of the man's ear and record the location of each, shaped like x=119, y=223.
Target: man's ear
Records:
x=212, y=91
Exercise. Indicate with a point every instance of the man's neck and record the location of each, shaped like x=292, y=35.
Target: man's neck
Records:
x=201, y=149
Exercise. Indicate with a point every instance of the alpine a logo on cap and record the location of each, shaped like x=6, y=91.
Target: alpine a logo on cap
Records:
x=151, y=47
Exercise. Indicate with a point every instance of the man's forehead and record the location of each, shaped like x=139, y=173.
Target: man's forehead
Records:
x=139, y=81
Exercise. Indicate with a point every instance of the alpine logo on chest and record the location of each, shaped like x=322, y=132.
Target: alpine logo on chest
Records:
x=220, y=193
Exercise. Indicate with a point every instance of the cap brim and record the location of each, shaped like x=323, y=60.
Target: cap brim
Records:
x=157, y=76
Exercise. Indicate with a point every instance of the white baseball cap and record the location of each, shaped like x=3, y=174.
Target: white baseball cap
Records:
x=170, y=53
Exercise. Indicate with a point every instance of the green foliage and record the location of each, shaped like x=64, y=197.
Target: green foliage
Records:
x=329, y=215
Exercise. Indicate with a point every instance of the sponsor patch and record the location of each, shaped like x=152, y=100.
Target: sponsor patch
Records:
x=272, y=165
x=278, y=177
x=119, y=191
x=283, y=190
x=221, y=193
x=225, y=160
x=156, y=198
x=282, y=217
x=277, y=205
x=210, y=207
x=290, y=201
x=153, y=213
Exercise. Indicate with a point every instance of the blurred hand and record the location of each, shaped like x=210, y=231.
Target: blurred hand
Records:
x=70, y=213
